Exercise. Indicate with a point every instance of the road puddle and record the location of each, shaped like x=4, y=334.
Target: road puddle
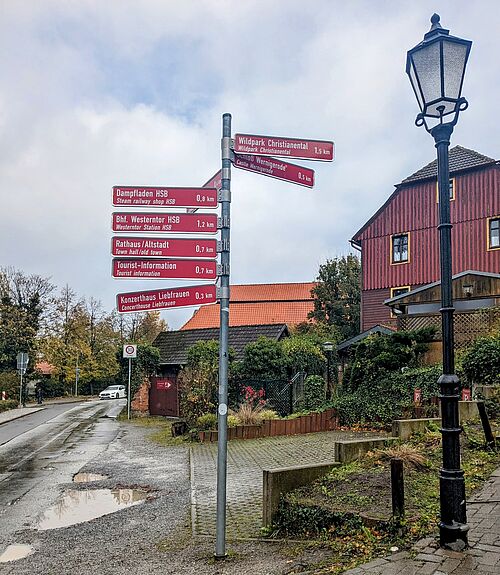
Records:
x=15, y=552
x=77, y=506
x=84, y=477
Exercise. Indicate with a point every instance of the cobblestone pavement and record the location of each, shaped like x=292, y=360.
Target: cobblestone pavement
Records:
x=427, y=558
x=246, y=460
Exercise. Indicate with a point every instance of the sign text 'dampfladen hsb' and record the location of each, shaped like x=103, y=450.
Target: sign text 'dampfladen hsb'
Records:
x=124, y=268
x=169, y=223
x=163, y=247
x=165, y=197
x=288, y=147
x=166, y=298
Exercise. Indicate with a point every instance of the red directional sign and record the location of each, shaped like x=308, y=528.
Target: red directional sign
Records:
x=289, y=147
x=214, y=182
x=164, y=269
x=165, y=298
x=275, y=169
x=165, y=197
x=173, y=223
x=163, y=247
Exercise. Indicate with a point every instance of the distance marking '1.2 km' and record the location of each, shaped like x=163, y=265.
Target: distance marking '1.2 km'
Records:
x=164, y=269
x=163, y=247
x=166, y=298
x=320, y=150
x=165, y=197
x=168, y=223
x=275, y=169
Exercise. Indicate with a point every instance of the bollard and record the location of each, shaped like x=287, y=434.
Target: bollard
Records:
x=488, y=434
x=397, y=487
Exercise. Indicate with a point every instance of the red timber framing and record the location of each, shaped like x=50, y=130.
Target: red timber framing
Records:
x=412, y=210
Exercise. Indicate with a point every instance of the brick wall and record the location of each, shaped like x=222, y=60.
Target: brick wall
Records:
x=140, y=402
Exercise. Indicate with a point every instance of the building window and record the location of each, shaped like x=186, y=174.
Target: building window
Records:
x=493, y=233
x=451, y=187
x=395, y=291
x=400, y=248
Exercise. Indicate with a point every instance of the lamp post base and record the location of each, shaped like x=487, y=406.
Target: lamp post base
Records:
x=453, y=536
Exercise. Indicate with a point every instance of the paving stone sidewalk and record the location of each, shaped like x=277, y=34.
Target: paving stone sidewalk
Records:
x=11, y=414
x=246, y=460
x=427, y=558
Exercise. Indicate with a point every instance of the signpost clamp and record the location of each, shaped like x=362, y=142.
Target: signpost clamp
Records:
x=226, y=171
x=224, y=195
x=227, y=144
x=222, y=270
x=223, y=245
x=223, y=222
x=223, y=292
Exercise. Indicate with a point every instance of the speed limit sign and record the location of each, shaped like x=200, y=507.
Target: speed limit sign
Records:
x=130, y=351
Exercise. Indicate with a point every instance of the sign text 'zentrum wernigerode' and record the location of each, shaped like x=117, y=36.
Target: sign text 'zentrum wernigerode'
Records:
x=173, y=223
x=163, y=247
x=165, y=197
x=164, y=269
x=290, y=147
x=166, y=298
x=275, y=169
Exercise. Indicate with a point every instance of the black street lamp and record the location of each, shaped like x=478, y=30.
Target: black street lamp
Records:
x=328, y=349
x=436, y=68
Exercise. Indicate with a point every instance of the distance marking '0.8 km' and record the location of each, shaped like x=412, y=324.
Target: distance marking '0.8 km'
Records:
x=165, y=197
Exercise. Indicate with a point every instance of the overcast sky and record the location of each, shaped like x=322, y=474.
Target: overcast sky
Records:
x=94, y=94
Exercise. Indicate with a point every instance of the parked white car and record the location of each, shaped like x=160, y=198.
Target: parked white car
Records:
x=113, y=392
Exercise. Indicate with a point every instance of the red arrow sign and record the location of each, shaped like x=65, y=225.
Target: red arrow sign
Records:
x=164, y=269
x=289, y=147
x=163, y=247
x=165, y=298
x=173, y=223
x=275, y=169
x=165, y=197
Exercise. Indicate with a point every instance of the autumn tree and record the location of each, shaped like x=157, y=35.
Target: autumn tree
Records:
x=337, y=295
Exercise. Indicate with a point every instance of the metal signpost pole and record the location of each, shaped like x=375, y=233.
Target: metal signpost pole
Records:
x=128, y=390
x=225, y=199
x=21, y=398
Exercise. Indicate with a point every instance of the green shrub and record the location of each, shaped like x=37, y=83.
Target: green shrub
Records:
x=481, y=362
x=206, y=422
x=232, y=421
x=314, y=393
x=302, y=354
x=10, y=382
x=268, y=414
x=8, y=404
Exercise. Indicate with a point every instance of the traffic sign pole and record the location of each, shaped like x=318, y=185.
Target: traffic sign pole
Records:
x=225, y=199
x=128, y=390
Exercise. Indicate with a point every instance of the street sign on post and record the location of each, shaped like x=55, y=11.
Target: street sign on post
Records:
x=163, y=247
x=130, y=353
x=22, y=365
x=165, y=197
x=166, y=298
x=275, y=169
x=290, y=147
x=171, y=223
x=157, y=269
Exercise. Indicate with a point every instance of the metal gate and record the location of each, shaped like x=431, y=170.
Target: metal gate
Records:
x=164, y=397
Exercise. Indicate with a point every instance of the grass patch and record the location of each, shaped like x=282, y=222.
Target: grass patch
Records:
x=161, y=429
x=349, y=510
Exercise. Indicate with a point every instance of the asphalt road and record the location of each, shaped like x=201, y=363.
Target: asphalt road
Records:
x=18, y=426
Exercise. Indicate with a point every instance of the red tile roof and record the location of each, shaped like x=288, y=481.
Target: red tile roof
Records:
x=44, y=367
x=257, y=304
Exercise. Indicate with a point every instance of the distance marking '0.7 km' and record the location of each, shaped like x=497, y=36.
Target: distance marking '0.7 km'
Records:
x=169, y=223
x=166, y=298
x=274, y=168
x=165, y=197
x=156, y=269
x=163, y=247
x=319, y=150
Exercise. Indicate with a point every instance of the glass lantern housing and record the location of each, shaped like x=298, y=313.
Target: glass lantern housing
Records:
x=436, y=68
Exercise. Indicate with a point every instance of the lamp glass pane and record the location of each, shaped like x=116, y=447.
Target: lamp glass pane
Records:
x=427, y=62
x=416, y=87
x=454, y=55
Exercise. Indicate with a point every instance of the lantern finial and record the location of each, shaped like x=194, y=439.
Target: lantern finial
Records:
x=435, y=20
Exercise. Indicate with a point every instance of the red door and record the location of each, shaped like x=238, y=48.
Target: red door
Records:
x=163, y=397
